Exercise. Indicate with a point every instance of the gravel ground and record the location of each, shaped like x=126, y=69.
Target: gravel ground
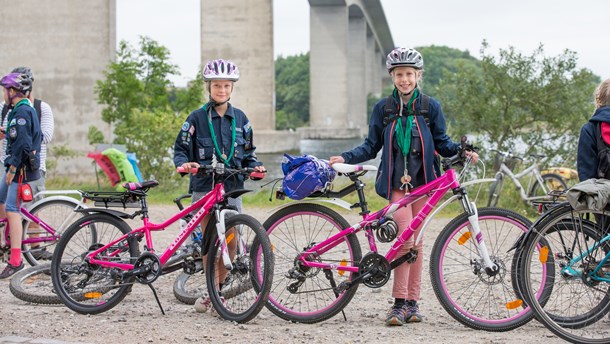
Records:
x=138, y=318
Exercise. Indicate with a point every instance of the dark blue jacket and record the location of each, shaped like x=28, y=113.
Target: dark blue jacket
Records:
x=382, y=137
x=23, y=137
x=587, y=160
x=194, y=144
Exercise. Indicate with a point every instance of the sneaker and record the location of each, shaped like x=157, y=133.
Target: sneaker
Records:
x=413, y=314
x=10, y=270
x=41, y=254
x=396, y=315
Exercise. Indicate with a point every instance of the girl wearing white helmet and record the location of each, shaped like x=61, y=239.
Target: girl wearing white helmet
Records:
x=218, y=130
x=409, y=128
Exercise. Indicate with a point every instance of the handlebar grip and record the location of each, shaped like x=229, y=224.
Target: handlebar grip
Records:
x=257, y=175
x=179, y=169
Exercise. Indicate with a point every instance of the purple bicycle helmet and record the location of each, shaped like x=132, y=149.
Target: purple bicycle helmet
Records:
x=24, y=70
x=19, y=81
x=404, y=57
x=220, y=70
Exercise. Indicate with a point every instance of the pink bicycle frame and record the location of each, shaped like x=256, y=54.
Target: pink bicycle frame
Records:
x=435, y=189
x=36, y=220
x=206, y=203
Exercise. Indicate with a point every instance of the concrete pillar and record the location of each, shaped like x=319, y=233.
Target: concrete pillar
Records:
x=67, y=44
x=356, y=70
x=242, y=31
x=328, y=63
x=371, y=62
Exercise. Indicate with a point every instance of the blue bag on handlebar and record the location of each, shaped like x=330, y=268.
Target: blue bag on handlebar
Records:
x=304, y=175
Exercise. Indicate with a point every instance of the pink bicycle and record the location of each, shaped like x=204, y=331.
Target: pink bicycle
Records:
x=319, y=264
x=98, y=258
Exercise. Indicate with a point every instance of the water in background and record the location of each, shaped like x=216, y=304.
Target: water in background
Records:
x=322, y=149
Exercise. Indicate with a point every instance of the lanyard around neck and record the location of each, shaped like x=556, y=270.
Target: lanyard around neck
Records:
x=222, y=156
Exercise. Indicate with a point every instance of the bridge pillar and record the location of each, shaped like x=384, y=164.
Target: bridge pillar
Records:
x=357, y=70
x=242, y=31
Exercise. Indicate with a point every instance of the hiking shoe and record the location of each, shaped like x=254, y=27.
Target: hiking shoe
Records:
x=10, y=270
x=413, y=314
x=396, y=315
x=41, y=254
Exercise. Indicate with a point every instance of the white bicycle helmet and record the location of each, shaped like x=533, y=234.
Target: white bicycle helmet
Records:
x=404, y=57
x=220, y=70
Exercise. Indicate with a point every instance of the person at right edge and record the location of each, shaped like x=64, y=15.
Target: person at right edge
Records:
x=588, y=158
x=408, y=138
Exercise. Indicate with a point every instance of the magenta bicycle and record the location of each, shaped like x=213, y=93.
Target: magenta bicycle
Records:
x=98, y=258
x=319, y=264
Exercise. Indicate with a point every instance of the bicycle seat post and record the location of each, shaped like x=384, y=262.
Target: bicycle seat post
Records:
x=361, y=197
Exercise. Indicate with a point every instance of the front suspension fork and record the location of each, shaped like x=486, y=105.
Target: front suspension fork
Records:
x=221, y=230
x=475, y=230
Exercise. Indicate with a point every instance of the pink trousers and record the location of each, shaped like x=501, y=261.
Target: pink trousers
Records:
x=407, y=276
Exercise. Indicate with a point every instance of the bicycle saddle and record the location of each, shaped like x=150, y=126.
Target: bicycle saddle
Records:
x=347, y=168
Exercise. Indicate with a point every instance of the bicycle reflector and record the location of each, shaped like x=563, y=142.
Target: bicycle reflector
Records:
x=463, y=238
x=514, y=304
x=342, y=263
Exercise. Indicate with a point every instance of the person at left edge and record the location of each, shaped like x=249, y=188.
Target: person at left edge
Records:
x=23, y=159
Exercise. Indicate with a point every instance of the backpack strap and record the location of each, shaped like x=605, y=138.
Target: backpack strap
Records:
x=391, y=109
x=37, y=107
x=424, y=109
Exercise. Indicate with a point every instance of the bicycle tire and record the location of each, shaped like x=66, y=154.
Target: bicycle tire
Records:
x=82, y=287
x=240, y=293
x=578, y=307
x=189, y=287
x=291, y=230
x=495, y=190
x=461, y=284
x=34, y=285
x=552, y=181
x=58, y=214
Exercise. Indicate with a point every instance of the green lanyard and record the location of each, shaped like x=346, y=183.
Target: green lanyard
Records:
x=220, y=154
x=403, y=134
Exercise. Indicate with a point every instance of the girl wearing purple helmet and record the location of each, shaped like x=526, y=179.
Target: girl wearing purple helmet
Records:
x=408, y=140
x=23, y=158
x=216, y=130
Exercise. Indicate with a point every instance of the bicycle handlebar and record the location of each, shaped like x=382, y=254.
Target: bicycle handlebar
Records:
x=460, y=157
x=222, y=170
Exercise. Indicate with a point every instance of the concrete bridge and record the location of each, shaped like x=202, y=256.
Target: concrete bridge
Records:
x=68, y=44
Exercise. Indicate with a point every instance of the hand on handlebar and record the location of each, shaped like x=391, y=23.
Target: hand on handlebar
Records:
x=472, y=155
x=188, y=167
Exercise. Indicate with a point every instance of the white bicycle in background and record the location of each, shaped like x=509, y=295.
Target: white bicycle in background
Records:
x=538, y=185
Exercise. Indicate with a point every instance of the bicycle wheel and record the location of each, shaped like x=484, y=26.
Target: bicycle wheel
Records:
x=302, y=294
x=573, y=245
x=58, y=214
x=240, y=293
x=34, y=285
x=189, y=287
x=495, y=190
x=472, y=296
x=86, y=288
x=552, y=182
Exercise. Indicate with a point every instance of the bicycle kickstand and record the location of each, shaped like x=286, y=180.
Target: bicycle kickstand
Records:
x=333, y=285
x=156, y=298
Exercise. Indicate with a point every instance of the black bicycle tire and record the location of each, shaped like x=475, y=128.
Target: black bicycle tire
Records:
x=180, y=291
x=45, y=296
x=548, y=176
x=72, y=302
x=495, y=190
x=265, y=246
x=27, y=254
x=351, y=241
x=437, y=277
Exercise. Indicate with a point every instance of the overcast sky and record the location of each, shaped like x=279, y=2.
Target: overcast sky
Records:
x=580, y=26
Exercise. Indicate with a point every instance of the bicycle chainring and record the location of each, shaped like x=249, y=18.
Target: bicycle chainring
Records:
x=151, y=268
x=378, y=267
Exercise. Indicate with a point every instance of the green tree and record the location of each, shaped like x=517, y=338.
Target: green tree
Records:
x=292, y=91
x=143, y=106
x=514, y=100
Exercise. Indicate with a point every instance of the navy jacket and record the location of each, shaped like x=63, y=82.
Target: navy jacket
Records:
x=194, y=144
x=587, y=160
x=382, y=137
x=23, y=137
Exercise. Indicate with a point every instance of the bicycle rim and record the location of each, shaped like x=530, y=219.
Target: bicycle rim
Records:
x=87, y=288
x=34, y=285
x=240, y=293
x=481, y=300
x=577, y=303
x=304, y=294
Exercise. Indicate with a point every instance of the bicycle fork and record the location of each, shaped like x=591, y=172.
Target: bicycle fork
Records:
x=475, y=230
x=221, y=229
